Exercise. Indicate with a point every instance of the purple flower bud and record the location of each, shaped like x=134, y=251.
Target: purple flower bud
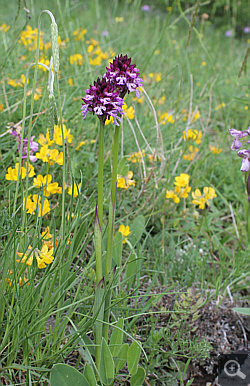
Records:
x=228, y=33
x=145, y=8
x=246, y=30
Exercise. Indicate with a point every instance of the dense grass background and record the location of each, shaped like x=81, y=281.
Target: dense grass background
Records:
x=181, y=247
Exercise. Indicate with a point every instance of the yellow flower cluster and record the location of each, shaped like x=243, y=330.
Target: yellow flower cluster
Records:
x=17, y=82
x=214, y=149
x=125, y=231
x=193, y=135
x=220, y=106
x=96, y=55
x=37, y=95
x=181, y=190
x=13, y=173
x=137, y=157
x=76, y=59
x=29, y=39
x=165, y=118
x=156, y=77
x=194, y=116
x=52, y=155
x=192, y=152
x=34, y=204
x=43, y=256
x=5, y=28
x=203, y=199
x=45, y=183
x=79, y=34
x=124, y=182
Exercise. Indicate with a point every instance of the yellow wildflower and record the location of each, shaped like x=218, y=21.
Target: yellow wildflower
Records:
x=4, y=27
x=82, y=143
x=45, y=140
x=58, y=135
x=18, y=82
x=32, y=206
x=194, y=135
x=192, y=152
x=45, y=183
x=79, y=34
x=76, y=59
x=57, y=157
x=13, y=173
x=74, y=190
x=43, y=256
x=119, y=19
x=137, y=157
x=173, y=195
x=125, y=182
x=44, y=153
x=182, y=180
x=203, y=199
x=37, y=95
x=125, y=231
x=215, y=150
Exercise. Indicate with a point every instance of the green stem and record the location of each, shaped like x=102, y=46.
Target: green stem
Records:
x=100, y=174
x=99, y=292
x=111, y=221
x=112, y=201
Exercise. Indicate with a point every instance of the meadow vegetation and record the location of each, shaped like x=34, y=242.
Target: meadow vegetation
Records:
x=115, y=237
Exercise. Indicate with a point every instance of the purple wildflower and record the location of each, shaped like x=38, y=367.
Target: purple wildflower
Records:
x=104, y=100
x=145, y=8
x=124, y=75
x=246, y=30
x=236, y=145
x=33, y=146
x=228, y=33
x=105, y=33
x=245, y=154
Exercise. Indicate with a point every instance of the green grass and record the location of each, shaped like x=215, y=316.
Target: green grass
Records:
x=180, y=246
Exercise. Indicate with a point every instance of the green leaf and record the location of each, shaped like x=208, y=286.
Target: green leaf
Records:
x=89, y=375
x=131, y=270
x=243, y=311
x=117, y=249
x=65, y=375
x=122, y=167
x=134, y=353
x=137, y=228
x=138, y=378
x=106, y=366
x=116, y=339
x=121, y=358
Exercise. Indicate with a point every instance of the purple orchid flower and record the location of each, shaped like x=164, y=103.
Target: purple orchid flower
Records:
x=245, y=154
x=124, y=75
x=33, y=146
x=236, y=145
x=103, y=100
